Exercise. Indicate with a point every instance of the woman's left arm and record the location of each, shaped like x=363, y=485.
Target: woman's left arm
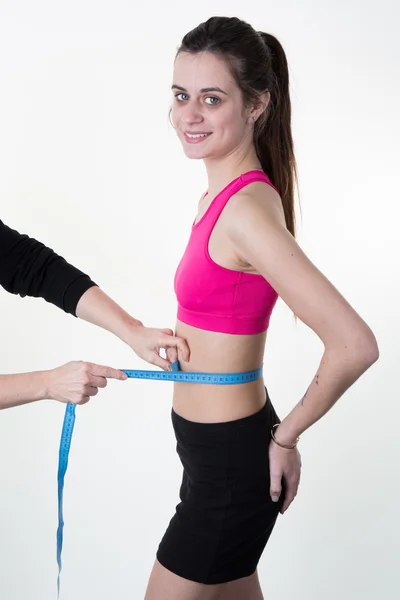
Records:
x=257, y=228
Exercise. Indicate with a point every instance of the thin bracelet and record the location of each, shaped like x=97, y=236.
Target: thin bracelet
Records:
x=283, y=445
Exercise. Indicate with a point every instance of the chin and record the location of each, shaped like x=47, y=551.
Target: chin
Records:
x=195, y=155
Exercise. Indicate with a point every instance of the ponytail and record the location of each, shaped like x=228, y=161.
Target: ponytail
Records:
x=273, y=134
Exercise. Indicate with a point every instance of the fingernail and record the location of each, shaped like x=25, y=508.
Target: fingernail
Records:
x=274, y=498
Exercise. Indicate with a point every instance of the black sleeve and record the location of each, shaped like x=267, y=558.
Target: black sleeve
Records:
x=29, y=268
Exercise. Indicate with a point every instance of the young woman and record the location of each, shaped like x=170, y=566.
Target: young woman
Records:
x=29, y=268
x=231, y=108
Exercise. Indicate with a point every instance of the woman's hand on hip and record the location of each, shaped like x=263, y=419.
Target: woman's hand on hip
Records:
x=284, y=465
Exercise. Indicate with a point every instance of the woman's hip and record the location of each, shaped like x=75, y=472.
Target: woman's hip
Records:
x=242, y=444
x=225, y=464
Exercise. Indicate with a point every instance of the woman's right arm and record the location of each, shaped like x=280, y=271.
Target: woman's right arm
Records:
x=73, y=382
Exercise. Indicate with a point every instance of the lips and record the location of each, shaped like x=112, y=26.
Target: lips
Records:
x=196, y=136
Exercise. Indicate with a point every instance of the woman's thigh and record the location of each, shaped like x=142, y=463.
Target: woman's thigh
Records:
x=165, y=585
x=246, y=588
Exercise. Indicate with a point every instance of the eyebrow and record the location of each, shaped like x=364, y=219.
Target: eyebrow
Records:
x=203, y=90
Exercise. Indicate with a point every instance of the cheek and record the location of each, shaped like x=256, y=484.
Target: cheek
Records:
x=175, y=115
x=231, y=117
x=233, y=125
x=172, y=117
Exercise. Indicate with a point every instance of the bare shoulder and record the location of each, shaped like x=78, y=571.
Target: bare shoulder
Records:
x=255, y=199
x=256, y=226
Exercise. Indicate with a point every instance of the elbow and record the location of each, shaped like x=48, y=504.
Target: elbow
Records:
x=366, y=348
x=371, y=351
x=357, y=349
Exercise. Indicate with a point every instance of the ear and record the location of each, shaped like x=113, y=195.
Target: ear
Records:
x=259, y=107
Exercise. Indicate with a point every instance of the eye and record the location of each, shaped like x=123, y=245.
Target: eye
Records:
x=213, y=98
x=180, y=94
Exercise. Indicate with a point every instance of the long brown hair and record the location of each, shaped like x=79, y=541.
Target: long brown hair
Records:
x=258, y=63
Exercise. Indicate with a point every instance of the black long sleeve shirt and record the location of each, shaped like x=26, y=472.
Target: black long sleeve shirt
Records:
x=29, y=268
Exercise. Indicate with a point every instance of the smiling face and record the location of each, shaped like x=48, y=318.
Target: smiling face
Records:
x=208, y=112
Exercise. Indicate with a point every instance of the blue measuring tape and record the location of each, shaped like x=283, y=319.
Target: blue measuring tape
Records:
x=174, y=375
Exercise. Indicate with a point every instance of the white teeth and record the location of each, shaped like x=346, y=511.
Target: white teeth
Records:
x=197, y=135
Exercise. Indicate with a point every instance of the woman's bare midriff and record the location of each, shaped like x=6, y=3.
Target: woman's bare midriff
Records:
x=219, y=353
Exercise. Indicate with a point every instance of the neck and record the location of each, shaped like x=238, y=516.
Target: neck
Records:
x=220, y=171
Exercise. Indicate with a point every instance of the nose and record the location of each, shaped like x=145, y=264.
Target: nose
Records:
x=191, y=114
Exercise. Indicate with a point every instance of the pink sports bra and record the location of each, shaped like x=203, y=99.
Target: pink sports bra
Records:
x=213, y=297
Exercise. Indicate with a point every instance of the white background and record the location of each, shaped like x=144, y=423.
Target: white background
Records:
x=91, y=167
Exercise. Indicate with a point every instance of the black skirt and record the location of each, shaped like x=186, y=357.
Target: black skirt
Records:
x=226, y=515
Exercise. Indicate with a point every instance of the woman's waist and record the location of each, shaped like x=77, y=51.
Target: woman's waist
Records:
x=214, y=352
x=213, y=402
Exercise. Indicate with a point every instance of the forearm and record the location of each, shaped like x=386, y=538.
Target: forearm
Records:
x=22, y=388
x=99, y=309
x=339, y=368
